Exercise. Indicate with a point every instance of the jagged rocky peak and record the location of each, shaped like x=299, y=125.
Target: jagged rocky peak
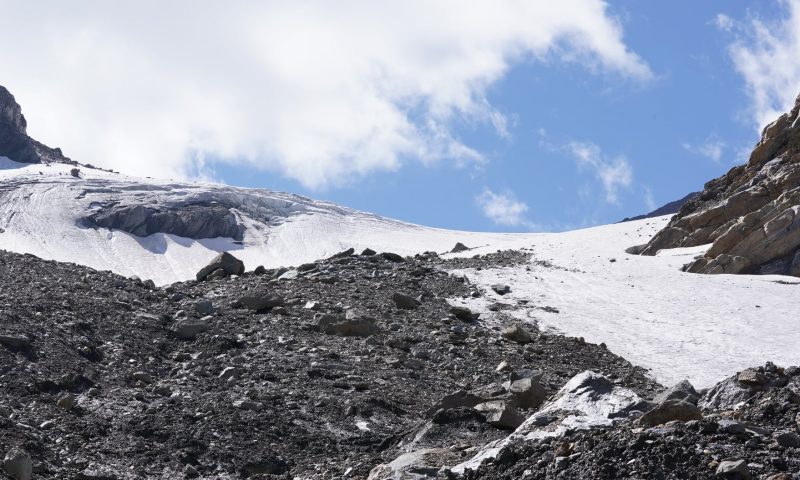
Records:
x=14, y=141
x=751, y=214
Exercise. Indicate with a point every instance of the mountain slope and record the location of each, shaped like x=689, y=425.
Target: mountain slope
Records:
x=751, y=214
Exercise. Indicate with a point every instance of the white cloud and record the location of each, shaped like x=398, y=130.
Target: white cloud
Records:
x=724, y=22
x=712, y=148
x=614, y=173
x=319, y=91
x=648, y=198
x=503, y=208
x=767, y=55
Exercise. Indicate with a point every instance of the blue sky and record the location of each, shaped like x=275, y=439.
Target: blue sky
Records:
x=645, y=103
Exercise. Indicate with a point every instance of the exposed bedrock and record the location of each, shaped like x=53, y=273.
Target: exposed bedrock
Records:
x=751, y=214
x=196, y=220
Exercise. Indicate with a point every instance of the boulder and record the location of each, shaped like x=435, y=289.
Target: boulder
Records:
x=671, y=410
x=459, y=247
x=406, y=302
x=527, y=393
x=501, y=289
x=464, y=314
x=189, y=328
x=261, y=301
x=17, y=463
x=733, y=470
x=682, y=390
x=14, y=341
x=351, y=326
x=516, y=333
x=226, y=262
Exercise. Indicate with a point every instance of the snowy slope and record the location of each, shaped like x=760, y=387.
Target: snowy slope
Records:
x=644, y=308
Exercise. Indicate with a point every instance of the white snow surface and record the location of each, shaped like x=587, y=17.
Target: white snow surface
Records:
x=679, y=325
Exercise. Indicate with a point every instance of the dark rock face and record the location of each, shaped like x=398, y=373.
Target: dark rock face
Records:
x=751, y=214
x=196, y=221
x=14, y=141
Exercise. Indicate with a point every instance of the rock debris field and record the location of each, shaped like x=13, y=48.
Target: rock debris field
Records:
x=357, y=366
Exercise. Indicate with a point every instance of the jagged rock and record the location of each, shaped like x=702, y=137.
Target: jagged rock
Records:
x=501, y=415
x=682, y=390
x=226, y=262
x=788, y=439
x=459, y=247
x=404, y=301
x=588, y=400
x=671, y=410
x=751, y=215
x=14, y=141
x=17, y=462
x=261, y=301
x=517, y=334
x=733, y=470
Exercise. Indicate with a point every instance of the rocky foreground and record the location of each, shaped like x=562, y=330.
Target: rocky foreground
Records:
x=357, y=366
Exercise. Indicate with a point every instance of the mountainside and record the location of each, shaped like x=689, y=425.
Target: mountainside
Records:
x=749, y=215
x=152, y=329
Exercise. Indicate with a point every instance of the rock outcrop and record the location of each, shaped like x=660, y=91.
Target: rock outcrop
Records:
x=193, y=220
x=751, y=214
x=14, y=140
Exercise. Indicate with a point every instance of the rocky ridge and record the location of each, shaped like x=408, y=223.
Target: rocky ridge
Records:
x=750, y=215
x=14, y=140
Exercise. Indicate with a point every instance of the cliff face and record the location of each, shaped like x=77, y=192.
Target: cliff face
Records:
x=14, y=140
x=751, y=214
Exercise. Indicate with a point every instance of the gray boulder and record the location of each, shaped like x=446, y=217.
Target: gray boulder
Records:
x=226, y=262
x=406, y=302
x=261, y=301
x=671, y=410
x=733, y=470
x=682, y=390
x=17, y=463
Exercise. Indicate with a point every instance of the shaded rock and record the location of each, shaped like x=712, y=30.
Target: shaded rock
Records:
x=17, y=463
x=261, y=301
x=501, y=289
x=527, y=393
x=189, y=328
x=671, y=410
x=464, y=314
x=517, y=334
x=14, y=341
x=459, y=247
x=393, y=257
x=788, y=439
x=405, y=301
x=346, y=327
x=503, y=415
x=682, y=390
x=14, y=141
x=458, y=399
x=204, y=307
x=66, y=401
x=734, y=470
x=226, y=262
x=368, y=252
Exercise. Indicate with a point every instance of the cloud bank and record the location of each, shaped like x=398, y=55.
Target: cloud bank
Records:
x=767, y=55
x=321, y=92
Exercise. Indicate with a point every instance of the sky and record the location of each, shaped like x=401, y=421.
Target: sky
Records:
x=511, y=115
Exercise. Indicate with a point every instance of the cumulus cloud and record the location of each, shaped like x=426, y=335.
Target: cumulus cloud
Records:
x=712, y=148
x=503, y=208
x=613, y=173
x=767, y=55
x=318, y=91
